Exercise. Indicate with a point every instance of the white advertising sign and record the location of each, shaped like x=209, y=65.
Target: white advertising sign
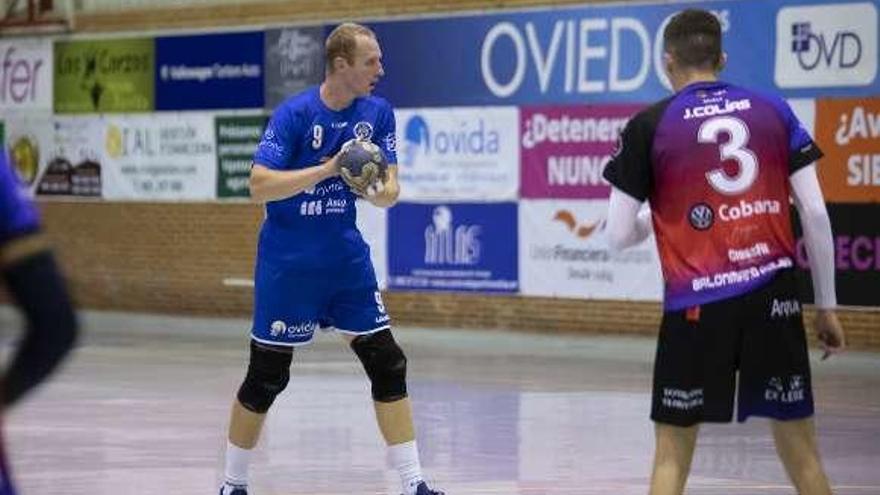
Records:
x=458, y=154
x=26, y=74
x=564, y=253
x=824, y=46
x=160, y=157
x=373, y=224
x=805, y=111
x=29, y=143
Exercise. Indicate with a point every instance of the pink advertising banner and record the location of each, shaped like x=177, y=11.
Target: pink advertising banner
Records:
x=564, y=149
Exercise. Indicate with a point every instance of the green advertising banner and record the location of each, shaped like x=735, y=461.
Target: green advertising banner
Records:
x=104, y=76
x=237, y=139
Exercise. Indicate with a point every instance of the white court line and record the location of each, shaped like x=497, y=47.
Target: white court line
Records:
x=238, y=282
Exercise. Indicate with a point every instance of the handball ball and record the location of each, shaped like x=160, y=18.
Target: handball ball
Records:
x=357, y=154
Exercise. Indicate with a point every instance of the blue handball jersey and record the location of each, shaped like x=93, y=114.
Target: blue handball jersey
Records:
x=316, y=228
x=17, y=213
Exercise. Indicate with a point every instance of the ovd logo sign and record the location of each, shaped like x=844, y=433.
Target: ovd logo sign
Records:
x=826, y=45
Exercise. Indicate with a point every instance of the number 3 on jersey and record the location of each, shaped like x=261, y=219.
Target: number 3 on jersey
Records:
x=734, y=149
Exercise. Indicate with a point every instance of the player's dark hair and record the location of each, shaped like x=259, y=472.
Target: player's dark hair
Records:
x=693, y=38
x=342, y=42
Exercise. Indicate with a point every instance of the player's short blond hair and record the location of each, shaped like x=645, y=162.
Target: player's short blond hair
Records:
x=342, y=42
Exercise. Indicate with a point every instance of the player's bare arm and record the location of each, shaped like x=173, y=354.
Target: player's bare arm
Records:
x=267, y=184
x=820, y=252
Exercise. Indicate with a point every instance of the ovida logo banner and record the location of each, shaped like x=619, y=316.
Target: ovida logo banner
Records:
x=458, y=154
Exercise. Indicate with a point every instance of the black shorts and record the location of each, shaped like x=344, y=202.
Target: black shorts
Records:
x=700, y=350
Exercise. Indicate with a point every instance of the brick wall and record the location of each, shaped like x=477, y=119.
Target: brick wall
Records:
x=299, y=11
x=174, y=257
x=156, y=257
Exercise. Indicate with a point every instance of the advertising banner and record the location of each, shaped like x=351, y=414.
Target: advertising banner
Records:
x=160, y=157
x=458, y=154
x=805, y=111
x=294, y=61
x=209, y=71
x=98, y=76
x=74, y=164
x=826, y=45
x=848, y=131
x=453, y=247
x=237, y=139
x=565, y=149
x=373, y=224
x=857, y=255
x=26, y=74
x=564, y=253
x=29, y=144
x=613, y=53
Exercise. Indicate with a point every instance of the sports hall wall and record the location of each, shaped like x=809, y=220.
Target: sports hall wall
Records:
x=136, y=143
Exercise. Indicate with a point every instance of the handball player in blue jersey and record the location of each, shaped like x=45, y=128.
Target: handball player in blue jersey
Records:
x=33, y=280
x=717, y=164
x=313, y=268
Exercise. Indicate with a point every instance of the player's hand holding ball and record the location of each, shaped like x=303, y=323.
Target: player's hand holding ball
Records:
x=363, y=167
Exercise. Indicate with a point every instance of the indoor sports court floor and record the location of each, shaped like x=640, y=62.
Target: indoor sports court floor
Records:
x=142, y=409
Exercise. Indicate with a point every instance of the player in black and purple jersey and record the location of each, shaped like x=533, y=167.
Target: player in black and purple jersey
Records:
x=33, y=280
x=717, y=164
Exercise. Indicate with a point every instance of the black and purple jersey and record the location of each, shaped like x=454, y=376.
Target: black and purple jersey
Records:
x=18, y=216
x=713, y=161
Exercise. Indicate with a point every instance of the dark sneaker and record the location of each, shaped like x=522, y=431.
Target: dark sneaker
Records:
x=228, y=489
x=422, y=489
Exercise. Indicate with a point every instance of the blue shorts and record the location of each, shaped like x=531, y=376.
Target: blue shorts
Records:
x=290, y=304
x=6, y=487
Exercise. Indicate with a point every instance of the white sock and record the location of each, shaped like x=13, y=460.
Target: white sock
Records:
x=237, y=462
x=405, y=459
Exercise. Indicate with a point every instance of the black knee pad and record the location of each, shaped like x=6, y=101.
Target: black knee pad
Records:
x=384, y=363
x=267, y=375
